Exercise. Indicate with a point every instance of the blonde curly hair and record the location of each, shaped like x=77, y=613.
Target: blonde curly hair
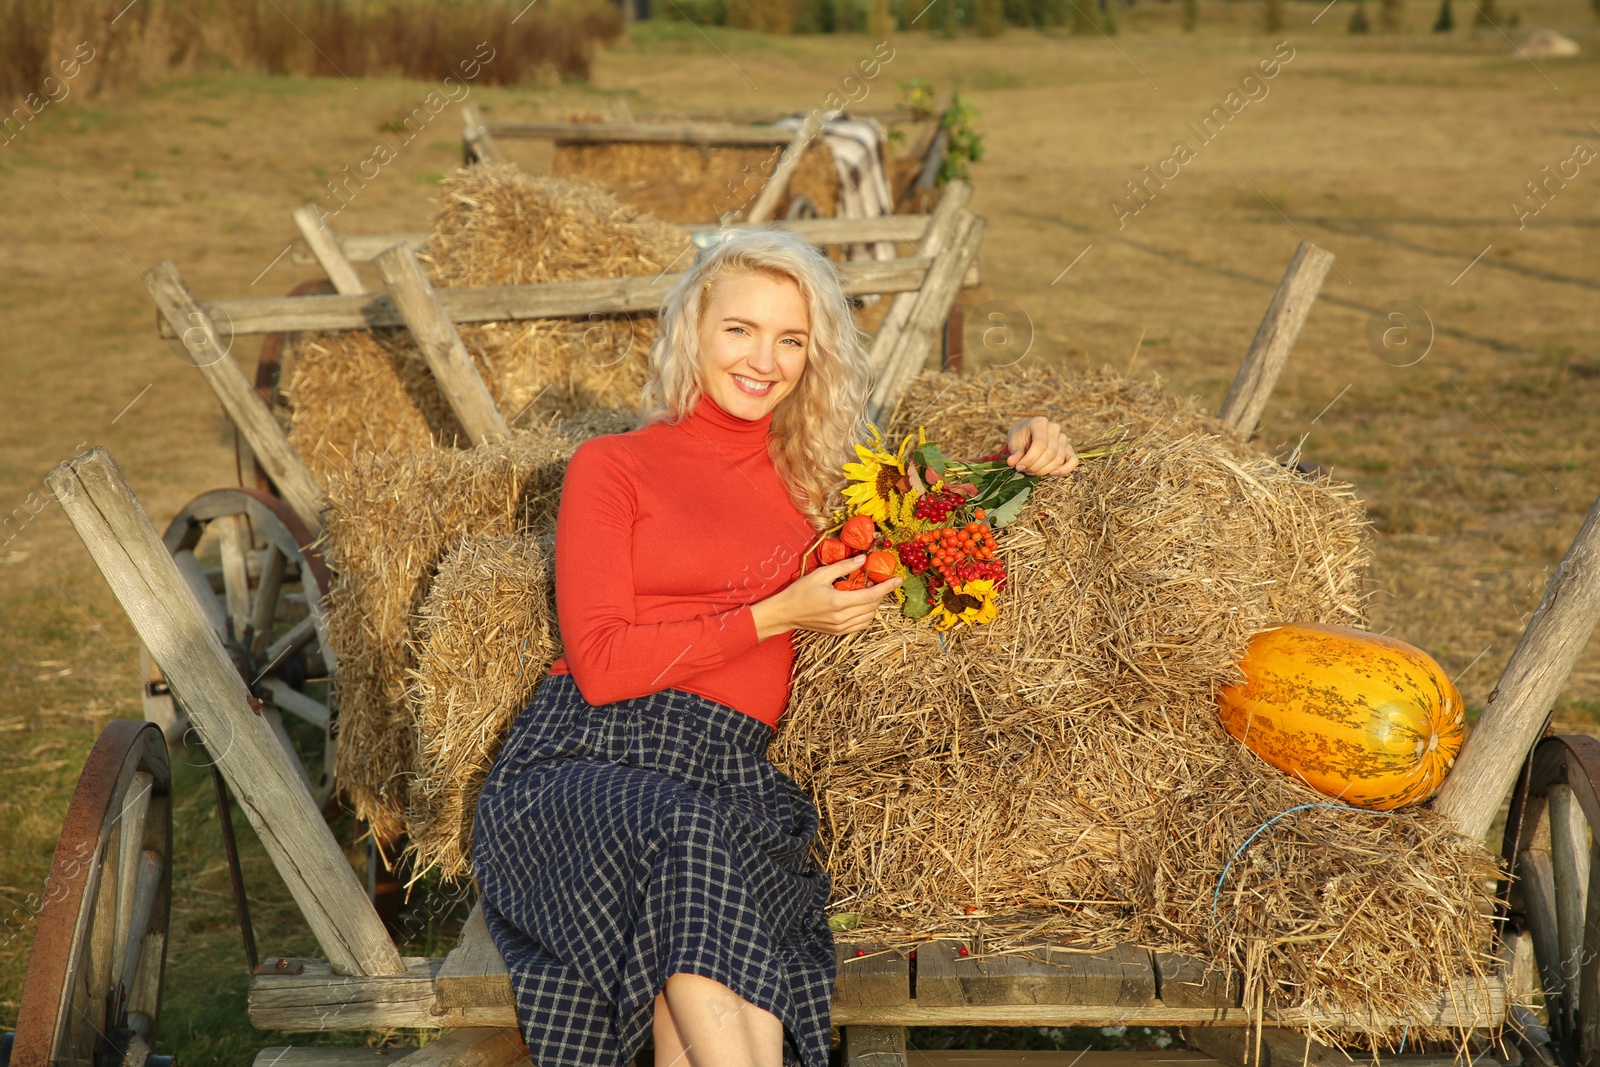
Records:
x=814, y=428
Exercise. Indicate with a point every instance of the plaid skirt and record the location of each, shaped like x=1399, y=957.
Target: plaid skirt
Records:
x=621, y=844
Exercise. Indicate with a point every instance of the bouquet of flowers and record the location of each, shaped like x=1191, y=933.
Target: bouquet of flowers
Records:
x=930, y=520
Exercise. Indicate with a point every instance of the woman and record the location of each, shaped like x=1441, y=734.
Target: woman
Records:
x=643, y=866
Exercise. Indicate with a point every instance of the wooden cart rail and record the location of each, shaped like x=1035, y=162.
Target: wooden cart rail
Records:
x=1126, y=985
x=360, y=248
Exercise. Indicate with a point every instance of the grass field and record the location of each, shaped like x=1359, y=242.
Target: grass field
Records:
x=1401, y=153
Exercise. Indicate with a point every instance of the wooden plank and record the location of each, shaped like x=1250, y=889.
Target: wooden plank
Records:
x=1064, y=1058
x=1518, y=708
x=320, y=1000
x=873, y=1046
x=288, y=1056
x=1272, y=1047
x=478, y=144
x=183, y=318
x=920, y=334
x=441, y=346
x=168, y=619
x=1121, y=977
x=1275, y=337
x=314, y=229
x=879, y=976
x=1187, y=982
x=234, y=538
x=479, y=1046
x=473, y=974
x=506, y=303
x=708, y=133
x=1587, y=1001
x=906, y=229
x=772, y=192
x=940, y=226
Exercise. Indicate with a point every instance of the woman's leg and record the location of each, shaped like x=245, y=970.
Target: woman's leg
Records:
x=716, y=1027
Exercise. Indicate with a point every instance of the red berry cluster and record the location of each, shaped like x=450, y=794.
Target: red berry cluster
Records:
x=914, y=554
x=959, y=555
x=936, y=507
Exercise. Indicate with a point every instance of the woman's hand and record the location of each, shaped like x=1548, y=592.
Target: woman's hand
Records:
x=812, y=603
x=1038, y=446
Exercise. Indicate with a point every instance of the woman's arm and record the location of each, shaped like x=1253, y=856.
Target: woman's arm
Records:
x=611, y=655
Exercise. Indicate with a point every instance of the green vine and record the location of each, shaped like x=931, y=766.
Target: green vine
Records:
x=965, y=144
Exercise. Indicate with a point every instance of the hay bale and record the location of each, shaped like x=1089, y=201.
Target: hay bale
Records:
x=1134, y=587
x=485, y=637
x=391, y=518
x=696, y=183
x=364, y=390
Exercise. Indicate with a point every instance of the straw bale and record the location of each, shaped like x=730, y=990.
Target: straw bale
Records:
x=363, y=390
x=391, y=518
x=1134, y=586
x=485, y=637
x=697, y=183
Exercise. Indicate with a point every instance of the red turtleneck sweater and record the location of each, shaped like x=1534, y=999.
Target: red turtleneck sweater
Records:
x=664, y=538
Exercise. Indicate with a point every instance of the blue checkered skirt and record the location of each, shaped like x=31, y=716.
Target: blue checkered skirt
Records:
x=621, y=844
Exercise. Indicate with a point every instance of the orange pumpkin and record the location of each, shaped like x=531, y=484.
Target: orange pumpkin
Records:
x=1368, y=720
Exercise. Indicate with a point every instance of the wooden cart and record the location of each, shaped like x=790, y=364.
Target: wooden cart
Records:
x=92, y=993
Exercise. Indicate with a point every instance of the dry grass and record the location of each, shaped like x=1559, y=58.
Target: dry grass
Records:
x=363, y=390
x=485, y=637
x=696, y=183
x=1133, y=588
x=155, y=40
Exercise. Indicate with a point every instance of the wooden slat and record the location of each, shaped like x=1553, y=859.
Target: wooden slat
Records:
x=642, y=132
x=1186, y=982
x=296, y=703
x=906, y=229
x=873, y=1046
x=318, y=236
x=937, y=234
x=1569, y=861
x=1275, y=337
x=1118, y=977
x=265, y=608
x=880, y=976
x=321, y=1000
x=167, y=617
x=1519, y=706
x=288, y=1056
x=505, y=303
x=772, y=192
x=473, y=974
x=1588, y=978
x=1537, y=884
x=477, y=140
x=487, y=1046
x=234, y=541
x=928, y=314
x=243, y=405
x=441, y=346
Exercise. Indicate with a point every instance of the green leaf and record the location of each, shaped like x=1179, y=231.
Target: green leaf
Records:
x=844, y=920
x=1010, y=509
x=916, y=605
x=928, y=455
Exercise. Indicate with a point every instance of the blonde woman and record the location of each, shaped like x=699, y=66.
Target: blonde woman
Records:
x=644, y=868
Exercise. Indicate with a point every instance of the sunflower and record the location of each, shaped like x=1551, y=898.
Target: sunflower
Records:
x=971, y=603
x=875, y=479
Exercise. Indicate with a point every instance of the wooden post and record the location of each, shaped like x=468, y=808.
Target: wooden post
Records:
x=928, y=315
x=341, y=272
x=778, y=184
x=1247, y=396
x=430, y=324
x=197, y=338
x=1520, y=704
x=940, y=226
x=477, y=143
x=167, y=616
x=874, y=1046
x=476, y=1046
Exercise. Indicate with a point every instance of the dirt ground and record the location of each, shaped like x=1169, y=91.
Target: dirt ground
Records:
x=1402, y=154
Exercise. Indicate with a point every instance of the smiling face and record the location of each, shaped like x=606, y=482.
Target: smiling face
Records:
x=754, y=339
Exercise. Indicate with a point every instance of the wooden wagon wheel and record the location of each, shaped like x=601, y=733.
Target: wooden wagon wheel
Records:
x=94, y=978
x=1550, y=843
x=268, y=613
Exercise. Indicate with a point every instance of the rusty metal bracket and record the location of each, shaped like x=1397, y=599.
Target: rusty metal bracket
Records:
x=279, y=965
